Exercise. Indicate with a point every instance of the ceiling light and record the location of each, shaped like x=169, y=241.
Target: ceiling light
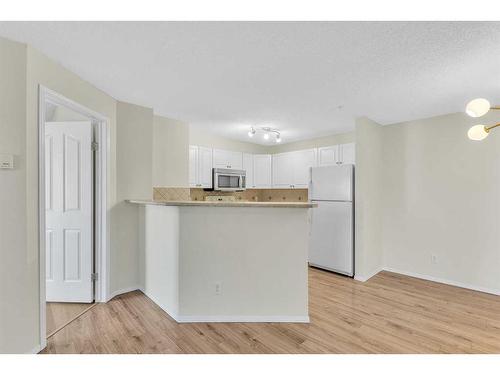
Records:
x=477, y=107
x=267, y=132
x=478, y=132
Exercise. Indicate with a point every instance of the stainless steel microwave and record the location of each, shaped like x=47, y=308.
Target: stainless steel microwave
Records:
x=228, y=179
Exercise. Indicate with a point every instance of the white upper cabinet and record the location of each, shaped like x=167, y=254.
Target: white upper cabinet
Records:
x=338, y=154
x=283, y=171
x=292, y=169
x=200, y=167
x=262, y=171
x=348, y=153
x=328, y=155
x=303, y=161
x=283, y=165
x=193, y=166
x=205, y=167
x=227, y=159
x=248, y=167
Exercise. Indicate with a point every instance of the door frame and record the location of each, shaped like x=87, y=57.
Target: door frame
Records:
x=101, y=178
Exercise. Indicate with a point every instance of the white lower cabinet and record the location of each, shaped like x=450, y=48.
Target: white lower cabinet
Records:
x=262, y=171
x=292, y=169
x=200, y=167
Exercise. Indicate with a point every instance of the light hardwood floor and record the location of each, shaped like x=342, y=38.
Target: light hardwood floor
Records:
x=390, y=313
x=59, y=314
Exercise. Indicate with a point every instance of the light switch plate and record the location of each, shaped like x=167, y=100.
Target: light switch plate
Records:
x=6, y=161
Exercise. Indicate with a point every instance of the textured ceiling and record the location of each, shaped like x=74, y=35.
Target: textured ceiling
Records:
x=307, y=79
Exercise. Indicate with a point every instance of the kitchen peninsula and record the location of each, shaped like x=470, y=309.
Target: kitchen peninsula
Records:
x=226, y=261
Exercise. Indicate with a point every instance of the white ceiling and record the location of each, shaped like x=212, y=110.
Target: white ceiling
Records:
x=307, y=79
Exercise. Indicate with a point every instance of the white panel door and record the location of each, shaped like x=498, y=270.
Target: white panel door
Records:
x=328, y=155
x=193, y=166
x=68, y=189
x=248, y=168
x=262, y=176
x=348, y=153
x=204, y=167
x=283, y=166
x=331, y=243
x=303, y=162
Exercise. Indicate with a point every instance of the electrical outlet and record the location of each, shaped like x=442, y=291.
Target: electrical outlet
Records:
x=218, y=288
x=434, y=258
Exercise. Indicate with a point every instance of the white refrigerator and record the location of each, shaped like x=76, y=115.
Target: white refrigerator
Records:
x=332, y=222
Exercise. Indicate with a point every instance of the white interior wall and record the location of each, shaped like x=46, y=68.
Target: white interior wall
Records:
x=441, y=196
x=200, y=138
x=61, y=113
x=18, y=265
x=170, y=152
x=22, y=70
x=134, y=160
x=314, y=143
x=368, y=203
x=41, y=70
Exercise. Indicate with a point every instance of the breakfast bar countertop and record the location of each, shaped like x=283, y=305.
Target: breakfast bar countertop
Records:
x=225, y=203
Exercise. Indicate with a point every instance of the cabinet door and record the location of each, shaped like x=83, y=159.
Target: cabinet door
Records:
x=283, y=165
x=302, y=163
x=348, y=153
x=193, y=166
x=220, y=158
x=235, y=160
x=328, y=155
x=248, y=167
x=262, y=171
x=227, y=159
x=204, y=167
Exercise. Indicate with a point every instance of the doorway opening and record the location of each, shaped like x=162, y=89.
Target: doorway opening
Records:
x=74, y=230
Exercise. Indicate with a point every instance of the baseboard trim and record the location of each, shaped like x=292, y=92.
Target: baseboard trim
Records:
x=370, y=275
x=123, y=291
x=444, y=281
x=242, y=319
x=37, y=349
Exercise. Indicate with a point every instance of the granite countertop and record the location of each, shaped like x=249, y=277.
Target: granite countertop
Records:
x=225, y=204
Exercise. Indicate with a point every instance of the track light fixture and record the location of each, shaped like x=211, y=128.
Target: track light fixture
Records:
x=267, y=133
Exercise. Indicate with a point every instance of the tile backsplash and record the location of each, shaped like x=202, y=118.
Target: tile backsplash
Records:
x=256, y=195
x=171, y=194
